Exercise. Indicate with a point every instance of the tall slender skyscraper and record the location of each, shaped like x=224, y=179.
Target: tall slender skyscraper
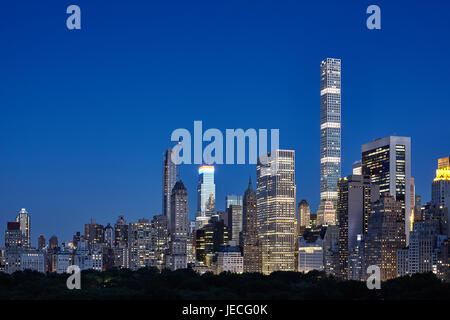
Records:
x=276, y=211
x=206, y=192
x=388, y=163
x=169, y=180
x=179, y=228
x=25, y=227
x=252, y=247
x=330, y=128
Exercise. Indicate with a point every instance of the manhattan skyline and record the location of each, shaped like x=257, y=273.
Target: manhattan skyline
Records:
x=86, y=122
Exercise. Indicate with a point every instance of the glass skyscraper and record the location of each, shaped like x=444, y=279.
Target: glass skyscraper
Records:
x=330, y=128
x=169, y=180
x=206, y=192
x=388, y=163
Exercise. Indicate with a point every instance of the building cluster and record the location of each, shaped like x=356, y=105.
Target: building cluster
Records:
x=371, y=217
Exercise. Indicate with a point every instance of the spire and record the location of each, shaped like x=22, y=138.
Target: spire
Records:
x=250, y=187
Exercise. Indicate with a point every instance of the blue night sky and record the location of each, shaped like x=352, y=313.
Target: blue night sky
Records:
x=86, y=115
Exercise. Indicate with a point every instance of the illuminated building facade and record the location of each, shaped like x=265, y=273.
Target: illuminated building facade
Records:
x=235, y=222
x=385, y=236
x=23, y=218
x=169, y=180
x=326, y=213
x=330, y=128
x=310, y=255
x=252, y=248
x=179, y=229
x=276, y=212
x=206, y=192
x=140, y=244
x=388, y=163
x=303, y=216
x=440, y=188
x=356, y=193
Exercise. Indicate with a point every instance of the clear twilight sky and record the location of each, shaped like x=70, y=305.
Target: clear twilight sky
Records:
x=87, y=114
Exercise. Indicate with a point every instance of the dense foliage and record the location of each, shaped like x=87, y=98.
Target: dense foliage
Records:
x=187, y=284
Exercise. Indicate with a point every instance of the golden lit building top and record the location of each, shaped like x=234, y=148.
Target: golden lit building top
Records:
x=443, y=171
x=443, y=163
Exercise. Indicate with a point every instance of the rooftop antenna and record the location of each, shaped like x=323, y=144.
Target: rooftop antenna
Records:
x=178, y=166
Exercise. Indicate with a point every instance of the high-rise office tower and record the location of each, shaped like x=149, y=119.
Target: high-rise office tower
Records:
x=179, y=228
x=303, y=216
x=440, y=188
x=169, y=180
x=25, y=227
x=385, y=235
x=275, y=196
x=388, y=163
x=330, y=128
x=252, y=247
x=232, y=199
x=356, y=193
x=121, y=233
x=209, y=239
x=206, y=192
x=53, y=242
x=235, y=222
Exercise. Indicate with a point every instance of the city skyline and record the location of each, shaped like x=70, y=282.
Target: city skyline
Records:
x=69, y=158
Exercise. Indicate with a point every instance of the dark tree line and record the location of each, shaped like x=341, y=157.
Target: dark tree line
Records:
x=186, y=284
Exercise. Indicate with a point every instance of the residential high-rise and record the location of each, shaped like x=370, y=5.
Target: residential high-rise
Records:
x=41, y=242
x=330, y=128
x=140, y=244
x=25, y=227
x=252, y=247
x=331, y=250
x=206, y=192
x=160, y=241
x=235, y=222
x=109, y=235
x=275, y=196
x=388, y=163
x=179, y=228
x=440, y=188
x=13, y=236
x=385, y=235
x=303, y=216
x=169, y=180
x=209, y=239
x=121, y=233
x=354, y=204
x=94, y=233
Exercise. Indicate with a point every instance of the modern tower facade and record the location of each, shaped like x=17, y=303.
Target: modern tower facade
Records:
x=121, y=233
x=206, y=192
x=252, y=247
x=388, y=163
x=169, y=180
x=330, y=128
x=275, y=195
x=23, y=218
x=440, y=188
